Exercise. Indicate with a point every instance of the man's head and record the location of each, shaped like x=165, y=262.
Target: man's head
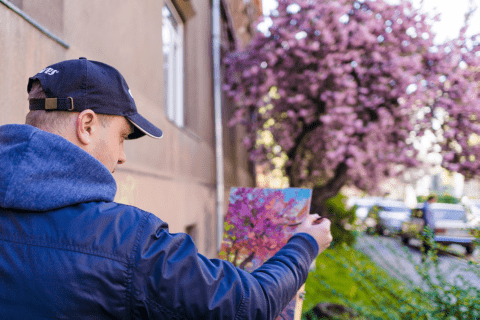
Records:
x=89, y=104
x=432, y=198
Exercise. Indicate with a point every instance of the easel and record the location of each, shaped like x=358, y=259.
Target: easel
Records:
x=299, y=302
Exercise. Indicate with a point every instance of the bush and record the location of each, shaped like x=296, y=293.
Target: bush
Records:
x=346, y=276
x=444, y=198
x=458, y=300
x=342, y=222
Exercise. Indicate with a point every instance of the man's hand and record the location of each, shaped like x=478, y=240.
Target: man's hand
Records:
x=319, y=230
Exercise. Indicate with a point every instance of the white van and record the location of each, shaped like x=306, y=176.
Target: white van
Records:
x=451, y=225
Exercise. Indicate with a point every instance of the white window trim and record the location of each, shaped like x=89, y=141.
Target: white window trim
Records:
x=176, y=112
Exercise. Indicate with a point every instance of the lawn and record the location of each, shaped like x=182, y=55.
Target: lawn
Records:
x=346, y=276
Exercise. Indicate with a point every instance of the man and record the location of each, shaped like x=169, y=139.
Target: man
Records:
x=429, y=224
x=68, y=251
x=427, y=212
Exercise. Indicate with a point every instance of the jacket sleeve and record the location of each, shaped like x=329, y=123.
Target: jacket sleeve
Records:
x=171, y=280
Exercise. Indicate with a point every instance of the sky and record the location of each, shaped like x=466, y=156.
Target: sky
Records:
x=451, y=15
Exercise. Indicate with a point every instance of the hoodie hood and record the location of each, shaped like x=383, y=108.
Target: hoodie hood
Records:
x=41, y=171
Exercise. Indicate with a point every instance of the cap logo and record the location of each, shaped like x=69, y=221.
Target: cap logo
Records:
x=49, y=71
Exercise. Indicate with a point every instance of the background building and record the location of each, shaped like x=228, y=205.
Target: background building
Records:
x=163, y=48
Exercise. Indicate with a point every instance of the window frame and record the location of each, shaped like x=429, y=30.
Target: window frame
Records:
x=174, y=81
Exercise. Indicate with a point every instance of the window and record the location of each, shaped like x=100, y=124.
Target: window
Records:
x=172, y=37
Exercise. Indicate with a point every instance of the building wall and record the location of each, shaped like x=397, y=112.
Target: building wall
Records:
x=173, y=177
x=244, y=14
x=239, y=17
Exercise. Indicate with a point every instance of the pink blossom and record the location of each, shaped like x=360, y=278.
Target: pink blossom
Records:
x=348, y=87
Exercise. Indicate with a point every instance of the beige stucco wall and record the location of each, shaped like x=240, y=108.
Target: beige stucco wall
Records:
x=172, y=177
x=23, y=49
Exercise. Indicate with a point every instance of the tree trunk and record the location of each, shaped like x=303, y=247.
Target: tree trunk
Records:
x=247, y=260
x=330, y=189
x=235, y=257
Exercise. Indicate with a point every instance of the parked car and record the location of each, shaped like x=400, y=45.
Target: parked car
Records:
x=451, y=226
x=473, y=208
x=386, y=217
x=363, y=205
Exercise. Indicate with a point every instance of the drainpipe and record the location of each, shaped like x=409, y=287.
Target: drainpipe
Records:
x=217, y=83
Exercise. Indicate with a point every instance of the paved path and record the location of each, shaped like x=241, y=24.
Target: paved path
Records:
x=400, y=261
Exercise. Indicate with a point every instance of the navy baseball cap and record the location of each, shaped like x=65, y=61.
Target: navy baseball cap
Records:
x=80, y=84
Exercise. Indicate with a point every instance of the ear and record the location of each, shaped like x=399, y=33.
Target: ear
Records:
x=86, y=126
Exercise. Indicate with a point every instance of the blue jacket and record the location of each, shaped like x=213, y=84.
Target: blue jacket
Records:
x=68, y=251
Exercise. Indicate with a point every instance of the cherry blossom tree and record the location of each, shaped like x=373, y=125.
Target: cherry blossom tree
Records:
x=344, y=90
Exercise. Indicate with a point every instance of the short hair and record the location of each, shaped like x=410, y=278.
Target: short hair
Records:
x=432, y=197
x=53, y=121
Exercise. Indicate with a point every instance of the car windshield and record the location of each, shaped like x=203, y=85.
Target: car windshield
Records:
x=443, y=214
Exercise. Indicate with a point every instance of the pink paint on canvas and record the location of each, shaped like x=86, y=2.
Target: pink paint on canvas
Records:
x=258, y=223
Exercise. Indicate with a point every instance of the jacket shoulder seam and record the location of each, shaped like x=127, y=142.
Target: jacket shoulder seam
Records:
x=242, y=306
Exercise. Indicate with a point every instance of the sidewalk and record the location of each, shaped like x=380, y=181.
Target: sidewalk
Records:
x=396, y=259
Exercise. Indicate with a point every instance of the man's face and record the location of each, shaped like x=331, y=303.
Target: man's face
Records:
x=109, y=146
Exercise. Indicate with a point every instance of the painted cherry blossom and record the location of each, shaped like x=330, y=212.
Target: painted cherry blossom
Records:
x=258, y=223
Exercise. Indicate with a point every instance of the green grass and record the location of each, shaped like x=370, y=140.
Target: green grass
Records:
x=346, y=276
x=338, y=278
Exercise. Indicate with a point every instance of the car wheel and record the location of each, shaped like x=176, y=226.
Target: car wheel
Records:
x=470, y=247
x=405, y=240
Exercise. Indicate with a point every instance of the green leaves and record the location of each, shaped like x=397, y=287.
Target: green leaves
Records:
x=348, y=277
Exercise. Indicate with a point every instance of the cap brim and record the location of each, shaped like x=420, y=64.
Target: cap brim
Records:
x=143, y=127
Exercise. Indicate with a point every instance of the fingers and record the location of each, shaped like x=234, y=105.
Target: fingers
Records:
x=316, y=219
x=325, y=222
x=319, y=230
x=313, y=217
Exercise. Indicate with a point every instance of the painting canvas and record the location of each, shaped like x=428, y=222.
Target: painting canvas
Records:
x=258, y=223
